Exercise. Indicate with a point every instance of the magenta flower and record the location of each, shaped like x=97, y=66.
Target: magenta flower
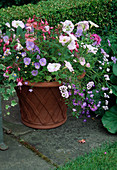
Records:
x=27, y=60
x=93, y=108
x=37, y=65
x=29, y=45
x=42, y=61
x=34, y=72
x=96, y=38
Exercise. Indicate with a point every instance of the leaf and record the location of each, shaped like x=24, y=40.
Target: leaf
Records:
x=7, y=106
x=114, y=89
x=115, y=69
x=109, y=120
x=13, y=103
x=113, y=79
x=48, y=78
x=1, y=66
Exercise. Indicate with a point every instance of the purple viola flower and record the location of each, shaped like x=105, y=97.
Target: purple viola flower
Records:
x=27, y=60
x=37, y=65
x=76, y=92
x=78, y=32
x=23, y=54
x=89, y=92
x=5, y=38
x=36, y=48
x=91, y=95
x=30, y=45
x=114, y=59
x=84, y=120
x=42, y=61
x=38, y=57
x=34, y=72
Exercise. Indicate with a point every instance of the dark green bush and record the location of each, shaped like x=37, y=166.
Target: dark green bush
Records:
x=7, y=3
x=102, y=12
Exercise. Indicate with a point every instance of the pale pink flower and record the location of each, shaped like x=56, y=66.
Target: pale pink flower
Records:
x=82, y=61
x=72, y=45
x=64, y=39
x=69, y=66
x=88, y=65
x=90, y=85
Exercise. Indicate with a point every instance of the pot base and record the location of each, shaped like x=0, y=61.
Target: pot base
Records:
x=43, y=108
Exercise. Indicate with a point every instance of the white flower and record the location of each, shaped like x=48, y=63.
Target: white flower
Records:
x=105, y=107
x=92, y=49
x=67, y=26
x=83, y=25
x=93, y=24
x=69, y=66
x=53, y=67
x=106, y=102
x=82, y=61
x=106, y=77
x=47, y=27
x=110, y=91
x=106, y=96
x=7, y=24
x=66, y=94
x=19, y=47
x=63, y=88
x=69, y=86
x=90, y=85
x=108, y=69
x=100, y=68
x=17, y=23
x=75, y=61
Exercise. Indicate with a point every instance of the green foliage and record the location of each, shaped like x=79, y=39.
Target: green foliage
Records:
x=109, y=119
x=103, y=158
x=99, y=12
x=6, y=3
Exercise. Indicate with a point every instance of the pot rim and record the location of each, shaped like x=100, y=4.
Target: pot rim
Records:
x=42, y=84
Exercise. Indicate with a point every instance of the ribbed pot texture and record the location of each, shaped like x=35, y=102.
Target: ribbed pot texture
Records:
x=44, y=107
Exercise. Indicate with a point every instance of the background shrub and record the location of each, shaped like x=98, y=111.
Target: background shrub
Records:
x=102, y=12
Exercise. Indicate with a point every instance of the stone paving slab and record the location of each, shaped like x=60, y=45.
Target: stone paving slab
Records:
x=18, y=157
x=61, y=144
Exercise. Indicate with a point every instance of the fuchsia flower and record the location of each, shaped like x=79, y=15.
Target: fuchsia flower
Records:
x=96, y=38
x=19, y=80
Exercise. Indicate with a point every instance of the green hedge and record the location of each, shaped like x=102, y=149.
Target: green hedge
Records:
x=102, y=12
x=6, y=3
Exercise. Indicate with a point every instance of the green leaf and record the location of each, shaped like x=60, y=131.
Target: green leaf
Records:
x=13, y=103
x=114, y=89
x=8, y=113
x=109, y=120
x=48, y=78
x=1, y=66
x=7, y=106
x=113, y=79
x=115, y=69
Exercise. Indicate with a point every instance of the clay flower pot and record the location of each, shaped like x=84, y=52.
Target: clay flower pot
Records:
x=44, y=107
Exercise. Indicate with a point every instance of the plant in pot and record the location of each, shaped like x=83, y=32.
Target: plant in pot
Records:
x=51, y=68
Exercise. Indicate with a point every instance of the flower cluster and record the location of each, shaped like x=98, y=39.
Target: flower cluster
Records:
x=33, y=51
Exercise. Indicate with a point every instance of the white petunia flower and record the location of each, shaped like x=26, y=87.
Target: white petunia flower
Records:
x=93, y=24
x=18, y=23
x=106, y=77
x=90, y=85
x=53, y=67
x=67, y=26
x=69, y=66
x=7, y=24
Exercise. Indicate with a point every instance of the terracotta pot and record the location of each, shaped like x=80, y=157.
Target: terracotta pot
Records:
x=44, y=107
